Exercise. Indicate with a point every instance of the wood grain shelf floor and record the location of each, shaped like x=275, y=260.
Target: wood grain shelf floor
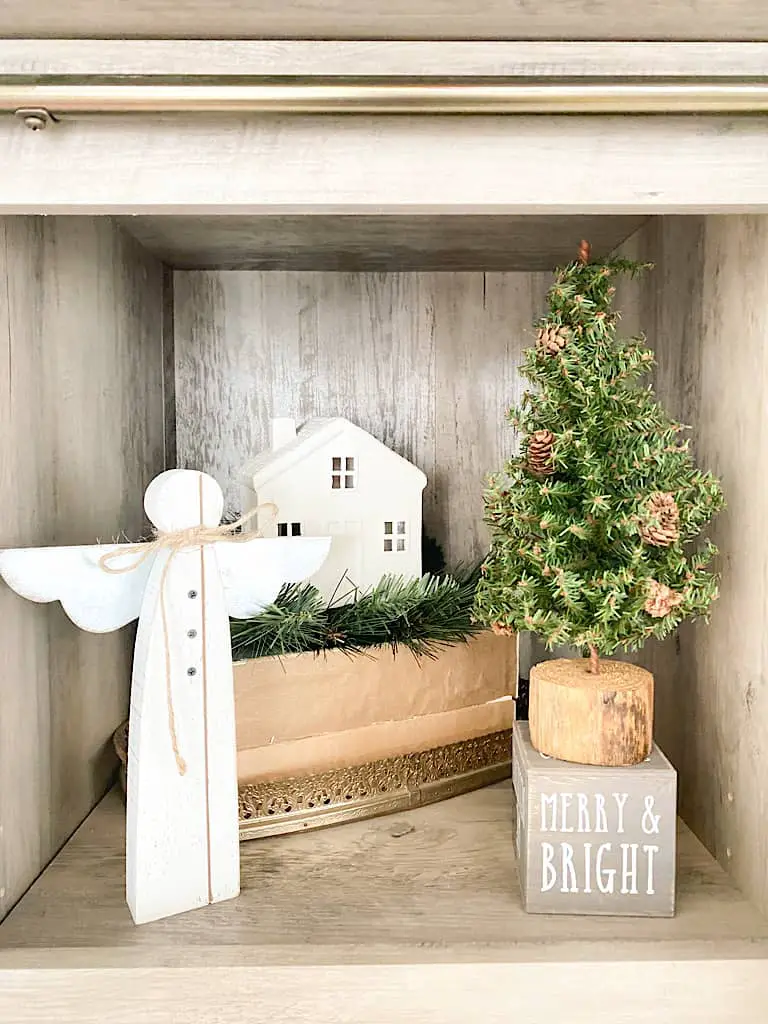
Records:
x=380, y=913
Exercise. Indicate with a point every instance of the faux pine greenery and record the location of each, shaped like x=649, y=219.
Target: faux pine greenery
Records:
x=594, y=524
x=422, y=615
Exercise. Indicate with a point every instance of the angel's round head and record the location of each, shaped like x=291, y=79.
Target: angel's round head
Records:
x=181, y=498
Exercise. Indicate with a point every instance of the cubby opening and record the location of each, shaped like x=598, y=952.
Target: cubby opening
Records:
x=137, y=343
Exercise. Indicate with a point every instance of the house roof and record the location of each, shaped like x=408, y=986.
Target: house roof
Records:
x=314, y=434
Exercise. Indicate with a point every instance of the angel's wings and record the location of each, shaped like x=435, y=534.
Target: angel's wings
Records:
x=95, y=600
x=253, y=572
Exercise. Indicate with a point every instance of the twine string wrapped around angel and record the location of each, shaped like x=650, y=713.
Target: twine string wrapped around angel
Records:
x=175, y=541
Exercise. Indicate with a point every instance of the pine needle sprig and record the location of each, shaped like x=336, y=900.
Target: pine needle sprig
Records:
x=296, y=621
x=421, y=615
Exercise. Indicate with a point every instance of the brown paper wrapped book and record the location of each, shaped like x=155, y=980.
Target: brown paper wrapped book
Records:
x=323, y=738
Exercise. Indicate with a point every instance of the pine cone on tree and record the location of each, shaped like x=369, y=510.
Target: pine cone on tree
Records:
x=553, y=339
x=660, y=524
x=661, y=599
x=540, y=453
x=501, y=630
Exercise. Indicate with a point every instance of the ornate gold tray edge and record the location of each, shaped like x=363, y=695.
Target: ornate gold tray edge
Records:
x=386, y=786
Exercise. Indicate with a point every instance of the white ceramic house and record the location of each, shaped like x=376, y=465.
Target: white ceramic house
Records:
x=333, y=478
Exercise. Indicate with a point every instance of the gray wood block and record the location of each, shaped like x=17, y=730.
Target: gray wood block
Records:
x=594, y=840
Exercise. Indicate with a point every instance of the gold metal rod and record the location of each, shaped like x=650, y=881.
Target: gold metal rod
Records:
x=392, y=98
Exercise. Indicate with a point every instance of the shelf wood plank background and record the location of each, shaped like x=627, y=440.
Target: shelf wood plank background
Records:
x=425, y=362
x=384, y=913
x=197, y=58
x=704, y=311
x=398, y=19
x=81, y=435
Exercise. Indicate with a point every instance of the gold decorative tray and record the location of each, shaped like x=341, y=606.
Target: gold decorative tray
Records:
x=385, y=786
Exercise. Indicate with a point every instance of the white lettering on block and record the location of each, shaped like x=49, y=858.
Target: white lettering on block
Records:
x=565, y=805
x=588, y=867
x=650, y=822
x=551, y=803
x=621, y=801
x=583, y=802
x=605, y=876
x=629, y=869
x=568, y=869
x=548, y=873
x=601, y=821
x=649, y=851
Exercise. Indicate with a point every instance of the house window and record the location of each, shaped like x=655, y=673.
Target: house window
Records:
x=395, y=535
x=343, y=473
x=283, y=531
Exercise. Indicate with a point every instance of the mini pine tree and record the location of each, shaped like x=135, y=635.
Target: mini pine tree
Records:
x=593, y=524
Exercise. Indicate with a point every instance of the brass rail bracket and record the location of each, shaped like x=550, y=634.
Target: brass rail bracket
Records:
x=37, y=119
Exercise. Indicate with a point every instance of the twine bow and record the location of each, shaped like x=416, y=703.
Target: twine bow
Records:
x=175, y=541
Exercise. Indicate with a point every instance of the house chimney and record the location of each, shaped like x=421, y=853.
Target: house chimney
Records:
x=283, y=430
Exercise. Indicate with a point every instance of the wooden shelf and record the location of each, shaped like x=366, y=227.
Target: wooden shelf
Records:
x=376, y=243
x=382, y=913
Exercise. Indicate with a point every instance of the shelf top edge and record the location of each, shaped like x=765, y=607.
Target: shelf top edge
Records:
x=265, y=958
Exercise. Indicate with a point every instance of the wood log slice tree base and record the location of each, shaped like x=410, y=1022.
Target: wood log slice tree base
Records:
x=601, y=719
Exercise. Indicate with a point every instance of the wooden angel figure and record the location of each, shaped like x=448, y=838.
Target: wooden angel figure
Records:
x=182, y=848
